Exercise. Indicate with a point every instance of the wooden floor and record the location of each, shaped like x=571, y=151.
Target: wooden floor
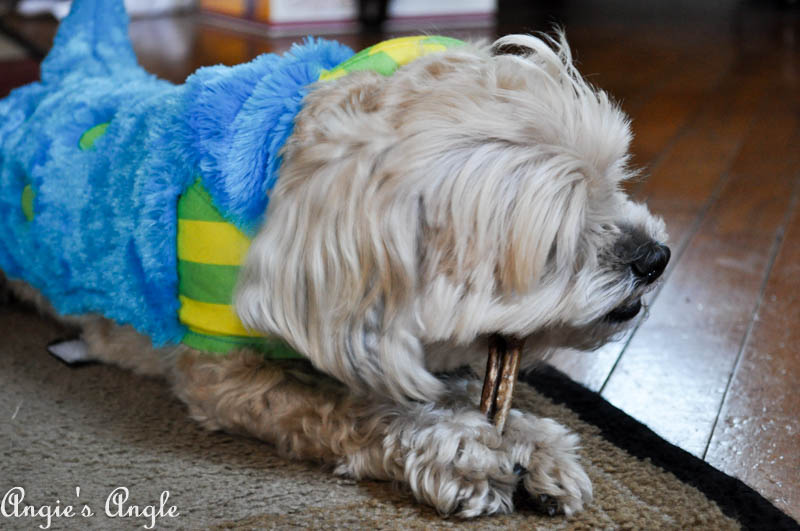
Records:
x=714, y=94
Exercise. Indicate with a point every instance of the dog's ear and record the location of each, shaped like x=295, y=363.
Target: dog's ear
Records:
x=528, y=45
x=507, y=46
x=550, y=53
x=334, y=269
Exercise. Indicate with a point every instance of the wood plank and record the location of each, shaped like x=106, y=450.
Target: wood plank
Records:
x=757, y=435
x=625, y=72
x=657, y=120
x=674, y=372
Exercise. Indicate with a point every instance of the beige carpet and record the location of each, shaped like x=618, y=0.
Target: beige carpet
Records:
x=99, y=428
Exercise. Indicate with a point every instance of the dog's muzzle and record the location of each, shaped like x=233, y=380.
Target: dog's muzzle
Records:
x=626, y=312
x=647, y=268
x=651, y=262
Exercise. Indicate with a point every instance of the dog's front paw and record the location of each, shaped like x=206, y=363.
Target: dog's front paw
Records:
x=545, y=454
x=453, y=461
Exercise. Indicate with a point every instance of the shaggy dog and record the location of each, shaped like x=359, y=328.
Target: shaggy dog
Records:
x=474, y=192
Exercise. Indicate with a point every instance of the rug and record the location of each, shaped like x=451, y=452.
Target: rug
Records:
x=122, y=453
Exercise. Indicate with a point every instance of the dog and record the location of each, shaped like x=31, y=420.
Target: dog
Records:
x=475, y=191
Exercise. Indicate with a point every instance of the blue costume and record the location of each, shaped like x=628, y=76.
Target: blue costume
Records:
x=97, y=232
x=97, y=159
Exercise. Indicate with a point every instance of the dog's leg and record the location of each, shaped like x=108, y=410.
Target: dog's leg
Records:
x=543, y=453
x=123, y=346
x=448, y=454
x=104, y=340
x=24, y=292
x=548, y=456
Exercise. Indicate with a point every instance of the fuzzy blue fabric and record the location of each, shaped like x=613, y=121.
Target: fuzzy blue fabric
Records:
x=103, y=231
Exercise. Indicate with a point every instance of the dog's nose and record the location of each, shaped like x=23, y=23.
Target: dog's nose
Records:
x=651, y=263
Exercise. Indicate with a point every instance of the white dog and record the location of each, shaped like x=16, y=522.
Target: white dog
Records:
x=475, y=191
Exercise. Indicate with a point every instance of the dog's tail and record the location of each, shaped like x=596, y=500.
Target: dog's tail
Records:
x=91, y=42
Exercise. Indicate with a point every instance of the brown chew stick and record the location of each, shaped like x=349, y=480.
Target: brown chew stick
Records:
x=502, y=368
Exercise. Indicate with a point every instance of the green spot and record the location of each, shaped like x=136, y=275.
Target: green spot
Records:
x=91, y=135
x=270, y=348
x=196, y=204
x=447, y=42
x=382, y=62
x=207, y=282
x=379, y=62
x=28, y=196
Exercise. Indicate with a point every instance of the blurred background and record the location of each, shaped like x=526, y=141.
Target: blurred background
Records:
x=713, y=91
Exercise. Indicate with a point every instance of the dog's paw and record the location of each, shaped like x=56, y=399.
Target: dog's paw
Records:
x=456, y=461
x=545, y=455
x=451, y=460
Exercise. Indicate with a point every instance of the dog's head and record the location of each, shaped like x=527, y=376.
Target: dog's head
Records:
x=475, y=191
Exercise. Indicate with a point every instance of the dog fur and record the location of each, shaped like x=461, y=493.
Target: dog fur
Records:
x=475, y=191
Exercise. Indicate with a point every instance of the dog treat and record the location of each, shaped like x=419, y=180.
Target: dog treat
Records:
x=502, y=368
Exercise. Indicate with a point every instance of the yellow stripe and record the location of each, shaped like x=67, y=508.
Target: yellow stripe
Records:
x=406, y=49
x=402, y=44
x=212, y=319
x=211, y=242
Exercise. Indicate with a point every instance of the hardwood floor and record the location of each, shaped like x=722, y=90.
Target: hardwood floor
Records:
x=714, y=95
x=714, y=368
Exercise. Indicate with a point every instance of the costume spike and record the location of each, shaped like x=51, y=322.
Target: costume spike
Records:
x=91, y=42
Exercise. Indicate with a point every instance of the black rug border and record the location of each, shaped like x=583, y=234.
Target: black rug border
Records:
x=734, y=498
